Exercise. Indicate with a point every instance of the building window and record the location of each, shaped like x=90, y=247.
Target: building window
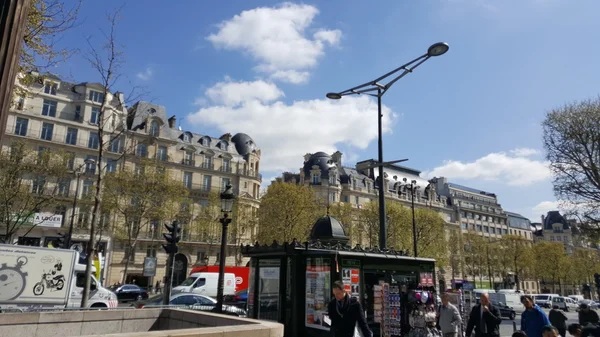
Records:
x=115, y=146
x=187, y=138
x=207, y=181
x=64, y=185
x=154, y=129
x=87, y=188
x=37, y=185
x=225, y=182
x=21, y=126
x=188, y=158
x=90, y=167
x=226, y=165
x=71, y=136
x=71, y=162
x=96, y=96
x=504, y=231
x=464, y=226
x=479, y=228
x=49, y=108
x=200, y=255
x=20, y=103
x=50, y=88
x=142, y=150
x=187, y=179
x=332, y=197
x=161, y=153
x=111, y=165
x=47, y=131
x=357, y=200
x=95, y=116
x=346, y=198
x=493, y=230
x=93, y=140
x=207, y=162
x=78, y=113
x=486, y=229
x=315, y=179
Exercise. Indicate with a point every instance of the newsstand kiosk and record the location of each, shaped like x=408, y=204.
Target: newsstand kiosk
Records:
x=290, y=283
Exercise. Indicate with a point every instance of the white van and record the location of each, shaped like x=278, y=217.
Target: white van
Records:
x=544, y=300
x=206, y=284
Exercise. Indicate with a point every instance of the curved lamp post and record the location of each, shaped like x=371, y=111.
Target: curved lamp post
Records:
x=376, y=89
x=227, y=198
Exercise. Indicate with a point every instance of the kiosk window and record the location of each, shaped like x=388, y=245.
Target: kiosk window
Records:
x=268, y=290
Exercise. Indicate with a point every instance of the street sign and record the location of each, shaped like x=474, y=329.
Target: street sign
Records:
x=149, y=266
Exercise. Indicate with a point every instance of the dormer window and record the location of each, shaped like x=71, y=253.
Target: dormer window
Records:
x=50, y=88
x=223, y=145
x=154, y=130
x=315, y=179
x=96, y=96
x=205, y=141
x=187, y=137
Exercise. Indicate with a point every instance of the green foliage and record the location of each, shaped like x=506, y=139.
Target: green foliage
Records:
x=550, y=260
x=46, y=21
x=430, y=228
x=29, y=182
x=287, y=212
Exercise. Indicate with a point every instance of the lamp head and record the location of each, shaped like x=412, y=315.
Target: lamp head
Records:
x=438, y=49
x=333, y=95
x=227, y=197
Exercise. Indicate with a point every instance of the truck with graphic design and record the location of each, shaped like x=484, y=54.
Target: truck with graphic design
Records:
x=38, y=277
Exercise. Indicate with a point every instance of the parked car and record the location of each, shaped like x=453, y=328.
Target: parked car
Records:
x=239, y=299
x=564, y=303
x=191, y=301
x=590, y=303
x=129, y=292
x=505, y=310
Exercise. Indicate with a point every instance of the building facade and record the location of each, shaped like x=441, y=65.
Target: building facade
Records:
x=62, y=116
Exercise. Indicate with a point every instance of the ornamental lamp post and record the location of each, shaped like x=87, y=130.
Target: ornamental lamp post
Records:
x=87, y=163
x=376, y=89
x=227, y=198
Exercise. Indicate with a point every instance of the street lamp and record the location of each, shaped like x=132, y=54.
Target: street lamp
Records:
x=413, y=187
x=87, y=162
x=376, y=89
x=227, y=199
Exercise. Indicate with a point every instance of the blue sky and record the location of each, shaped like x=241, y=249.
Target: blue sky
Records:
x=263, y=68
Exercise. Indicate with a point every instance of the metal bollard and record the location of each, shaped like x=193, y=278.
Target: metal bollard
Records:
x=514, y=326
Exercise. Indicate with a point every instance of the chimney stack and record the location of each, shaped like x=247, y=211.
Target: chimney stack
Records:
x=226, y=137
x=172, y=122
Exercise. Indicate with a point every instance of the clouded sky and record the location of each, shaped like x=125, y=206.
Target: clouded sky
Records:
x=263, y=68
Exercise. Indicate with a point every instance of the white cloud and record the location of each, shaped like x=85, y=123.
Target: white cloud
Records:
x=544, y=207
x=275, y=37
x=285, y=132
x=230, y=93
x=512, y=169
x=291, y=76
x=524, y=152
x=146, y=74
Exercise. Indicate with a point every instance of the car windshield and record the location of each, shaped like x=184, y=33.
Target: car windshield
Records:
x=541, y=297
x=188, y=281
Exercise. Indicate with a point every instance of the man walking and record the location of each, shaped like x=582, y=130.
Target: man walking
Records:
x=346, y=313
x=558, y=319
x=587, y=316
x=533, y=319
x=484, y=319
x=450, y=318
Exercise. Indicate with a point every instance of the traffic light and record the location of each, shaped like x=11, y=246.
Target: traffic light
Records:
x=61, y=241
x=172, y=238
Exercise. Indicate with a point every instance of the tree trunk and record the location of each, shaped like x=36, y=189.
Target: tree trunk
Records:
x=126, y=268
x=91, y=246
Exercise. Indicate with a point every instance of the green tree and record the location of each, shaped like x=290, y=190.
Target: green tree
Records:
x=139, y=197
x=550, y=259
x=474, y=254
x=516, y=256
x=46, y=21
x=455, y=253
x=287, y=211
x=30, y=181
x=347, y=216
x=571, y=138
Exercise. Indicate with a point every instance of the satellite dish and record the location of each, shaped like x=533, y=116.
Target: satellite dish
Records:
x=179, y=127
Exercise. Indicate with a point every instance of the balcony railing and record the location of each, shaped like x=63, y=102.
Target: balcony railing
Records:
x=188, y=162
x=208, y=166
x=227, y=169
x=205, y=188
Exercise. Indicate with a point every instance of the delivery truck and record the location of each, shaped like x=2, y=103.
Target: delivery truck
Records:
x=206, y=284
x=241, y=274
x=38, y=277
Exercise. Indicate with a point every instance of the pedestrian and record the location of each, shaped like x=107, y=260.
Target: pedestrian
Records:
x=346, y=314
x=549, y=331
x=157, y=288
x=484, y=319
x=587, y=315
x=519, y=333
x=576, y=330
x=558, y=319
x=449, y=319
x=533, y=319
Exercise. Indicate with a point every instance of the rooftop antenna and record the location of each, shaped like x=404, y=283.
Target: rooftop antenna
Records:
x=179, y=126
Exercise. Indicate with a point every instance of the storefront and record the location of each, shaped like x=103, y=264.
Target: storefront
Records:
x=291, y=283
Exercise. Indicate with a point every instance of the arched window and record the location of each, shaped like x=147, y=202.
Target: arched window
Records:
x=154, y=129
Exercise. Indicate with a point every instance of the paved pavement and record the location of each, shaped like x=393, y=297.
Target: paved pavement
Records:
x=506, y=328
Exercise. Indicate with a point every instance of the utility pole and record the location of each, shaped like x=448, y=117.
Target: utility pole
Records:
x=172, y=237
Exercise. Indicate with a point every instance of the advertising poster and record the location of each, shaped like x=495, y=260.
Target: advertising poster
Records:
x=426, y=279
x=351, y=279
x=40, y=276
x=318, y=294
